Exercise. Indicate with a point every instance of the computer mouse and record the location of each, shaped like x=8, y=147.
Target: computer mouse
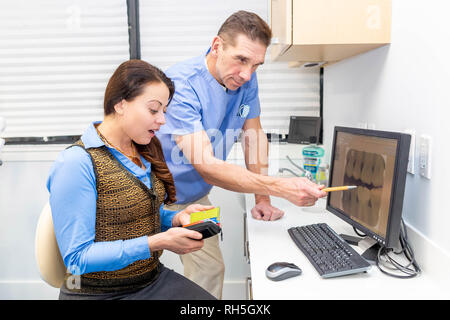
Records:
x=282, y=270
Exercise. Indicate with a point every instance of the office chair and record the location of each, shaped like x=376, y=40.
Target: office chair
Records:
x=50, y=263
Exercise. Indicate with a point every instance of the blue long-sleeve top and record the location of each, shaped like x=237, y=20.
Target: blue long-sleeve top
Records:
x=73, y=198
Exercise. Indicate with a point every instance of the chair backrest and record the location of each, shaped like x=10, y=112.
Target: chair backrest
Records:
x=50, y=263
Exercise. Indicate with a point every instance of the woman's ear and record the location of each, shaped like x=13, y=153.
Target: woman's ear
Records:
x=120, y=107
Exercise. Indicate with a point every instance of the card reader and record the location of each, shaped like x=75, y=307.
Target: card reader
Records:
x=206, y=227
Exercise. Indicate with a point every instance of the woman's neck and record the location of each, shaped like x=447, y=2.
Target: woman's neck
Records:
x=113, y=132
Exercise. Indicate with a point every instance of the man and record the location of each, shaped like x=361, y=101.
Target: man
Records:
x=216, y=97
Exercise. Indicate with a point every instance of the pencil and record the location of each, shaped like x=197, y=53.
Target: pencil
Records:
x=343, y=188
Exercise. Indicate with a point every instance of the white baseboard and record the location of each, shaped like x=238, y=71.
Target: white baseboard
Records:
x=27, y=290
x=432, y=259
x=234, y=290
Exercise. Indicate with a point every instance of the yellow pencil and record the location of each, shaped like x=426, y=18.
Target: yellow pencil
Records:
x=343, y=188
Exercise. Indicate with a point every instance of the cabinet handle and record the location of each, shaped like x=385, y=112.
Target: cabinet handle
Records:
x=248, y=252
x=245, y=233
x=249, y=288
x=246, y=245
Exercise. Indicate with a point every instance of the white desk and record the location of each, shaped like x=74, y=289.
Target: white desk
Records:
x=270, y=242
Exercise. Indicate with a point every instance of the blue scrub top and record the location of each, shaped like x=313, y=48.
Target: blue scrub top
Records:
x=202, y=103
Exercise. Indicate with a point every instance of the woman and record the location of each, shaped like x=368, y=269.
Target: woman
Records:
x=107, y=193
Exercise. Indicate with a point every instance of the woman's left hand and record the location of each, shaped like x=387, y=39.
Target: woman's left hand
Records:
x=184, y=216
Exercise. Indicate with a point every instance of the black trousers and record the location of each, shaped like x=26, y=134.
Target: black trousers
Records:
x=168, y=286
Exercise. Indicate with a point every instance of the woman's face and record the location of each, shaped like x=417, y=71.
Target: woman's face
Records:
x=144, y=115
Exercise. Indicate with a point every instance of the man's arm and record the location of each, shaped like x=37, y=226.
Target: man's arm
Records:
x=255, y=146
x=256, y=151
x=197, y=149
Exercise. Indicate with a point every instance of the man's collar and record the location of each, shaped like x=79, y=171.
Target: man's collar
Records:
x=207, y=69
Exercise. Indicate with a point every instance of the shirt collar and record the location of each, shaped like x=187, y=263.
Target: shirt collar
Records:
x=212, y=79
x=90, y=137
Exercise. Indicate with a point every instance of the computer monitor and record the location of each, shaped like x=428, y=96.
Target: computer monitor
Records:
x=376, y=162
x=302, y=129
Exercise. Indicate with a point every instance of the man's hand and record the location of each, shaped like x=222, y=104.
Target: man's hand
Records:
x=184, y=217
x=263, y=210
x=301, y=191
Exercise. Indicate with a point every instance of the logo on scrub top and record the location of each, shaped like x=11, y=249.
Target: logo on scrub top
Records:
x=243, y=111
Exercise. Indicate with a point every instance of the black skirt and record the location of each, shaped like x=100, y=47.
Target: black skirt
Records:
x=169, y=285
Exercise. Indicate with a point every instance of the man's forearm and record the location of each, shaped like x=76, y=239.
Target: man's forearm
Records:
x=197, y=149
x=235, y=178
x=256, y=152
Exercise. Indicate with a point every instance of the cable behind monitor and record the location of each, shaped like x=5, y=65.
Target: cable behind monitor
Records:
x=386, y=262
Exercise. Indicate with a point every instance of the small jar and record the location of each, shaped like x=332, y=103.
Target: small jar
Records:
x=322, y=174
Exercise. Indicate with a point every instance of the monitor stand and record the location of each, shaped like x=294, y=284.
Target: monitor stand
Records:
x=369, y=246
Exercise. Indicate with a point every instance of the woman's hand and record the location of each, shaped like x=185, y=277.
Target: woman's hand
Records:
x=178, y=240
x=184, y=216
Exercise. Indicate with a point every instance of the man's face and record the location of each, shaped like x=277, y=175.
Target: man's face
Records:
x=236, y=64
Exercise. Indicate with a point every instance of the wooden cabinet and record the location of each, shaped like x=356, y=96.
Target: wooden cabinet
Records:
x=328, y=30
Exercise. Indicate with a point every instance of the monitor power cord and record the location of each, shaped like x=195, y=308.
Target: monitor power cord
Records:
x=410, y=270
x=386, y=262
x=359, y=234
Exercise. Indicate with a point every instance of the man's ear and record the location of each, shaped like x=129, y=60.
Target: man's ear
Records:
x=120, y=107
x=217, y=42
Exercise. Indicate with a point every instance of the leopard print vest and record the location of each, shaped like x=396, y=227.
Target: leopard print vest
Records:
x=126, y=209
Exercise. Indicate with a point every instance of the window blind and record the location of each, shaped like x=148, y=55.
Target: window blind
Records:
x=55, y=60
x=172, y=31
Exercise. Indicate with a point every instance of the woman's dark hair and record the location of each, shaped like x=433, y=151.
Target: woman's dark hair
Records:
x=129, y=80
x=127, y=83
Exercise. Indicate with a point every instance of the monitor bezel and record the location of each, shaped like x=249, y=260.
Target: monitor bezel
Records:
x=292, y=119
x=398, y=184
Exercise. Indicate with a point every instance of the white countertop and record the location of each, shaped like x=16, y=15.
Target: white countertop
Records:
x=270, y=242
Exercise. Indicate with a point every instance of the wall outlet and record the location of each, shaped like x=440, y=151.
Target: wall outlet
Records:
x=362, y=125
x=425, y=156
x=412, y=151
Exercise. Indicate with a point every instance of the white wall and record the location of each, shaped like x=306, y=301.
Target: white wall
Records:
x=403, y=86
x=22, y=196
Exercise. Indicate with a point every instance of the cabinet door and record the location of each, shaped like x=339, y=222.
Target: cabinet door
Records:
x=281, y=25
x=340, y=22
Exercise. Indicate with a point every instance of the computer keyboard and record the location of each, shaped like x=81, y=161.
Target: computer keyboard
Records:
x=328, y=253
